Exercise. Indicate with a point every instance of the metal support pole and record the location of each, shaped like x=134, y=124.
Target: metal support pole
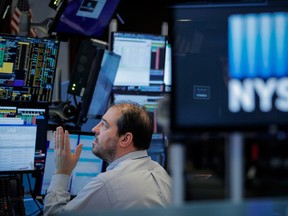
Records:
x=235, y=164
x=176, y=166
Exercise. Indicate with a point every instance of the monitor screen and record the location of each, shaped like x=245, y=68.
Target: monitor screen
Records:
x=142, y=63
x=83, y=17
x=229, y=67
x=101, y=95
x=23, y=137
x=17, y=147
x=87, y=167
x=27, y=68
x=150, y=102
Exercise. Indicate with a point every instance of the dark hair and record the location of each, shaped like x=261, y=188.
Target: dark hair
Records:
x=135, y=119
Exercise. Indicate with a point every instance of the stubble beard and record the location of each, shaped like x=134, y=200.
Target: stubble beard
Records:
x=107, y=154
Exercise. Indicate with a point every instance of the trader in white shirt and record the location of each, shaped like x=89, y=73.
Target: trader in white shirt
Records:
x=132, y=179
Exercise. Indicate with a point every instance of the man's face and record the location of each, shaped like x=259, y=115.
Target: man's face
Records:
x=106, y=140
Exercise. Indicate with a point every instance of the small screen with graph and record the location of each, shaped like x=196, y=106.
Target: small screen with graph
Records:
x=27, y=68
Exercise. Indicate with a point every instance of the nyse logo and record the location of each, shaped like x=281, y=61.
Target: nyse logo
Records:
x=242, y=94
x=258, y=62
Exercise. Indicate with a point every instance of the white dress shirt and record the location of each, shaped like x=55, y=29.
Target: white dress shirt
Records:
x=133, y=180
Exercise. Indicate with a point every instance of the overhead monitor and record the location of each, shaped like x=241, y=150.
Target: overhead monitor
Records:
x=83, y=17
x=142, y=64
x=23, y=137
x=27, y=68
x=230, y=68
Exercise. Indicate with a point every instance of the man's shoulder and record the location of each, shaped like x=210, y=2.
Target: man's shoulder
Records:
x=130, y=167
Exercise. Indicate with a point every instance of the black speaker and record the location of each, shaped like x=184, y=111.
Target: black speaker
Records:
x=81, y=69
x=63, y=111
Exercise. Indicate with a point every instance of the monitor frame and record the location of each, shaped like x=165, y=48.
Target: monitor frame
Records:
x=41, y=136
x=180, y=129
x=63, y=29
x=154, y=86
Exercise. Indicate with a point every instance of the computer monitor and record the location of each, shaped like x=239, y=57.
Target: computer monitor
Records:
x=97, y=86
x=27, y=68
x=229, y=66
x=100, y=98
x=23, y=137
x=83, y=18
x=150, y=102
x=87, y=167
x=142, y=63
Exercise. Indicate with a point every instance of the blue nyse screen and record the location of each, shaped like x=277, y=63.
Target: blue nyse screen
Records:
x=258, y=65
x=230, y=68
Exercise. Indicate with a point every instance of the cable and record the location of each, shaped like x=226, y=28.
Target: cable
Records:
x=30, y=188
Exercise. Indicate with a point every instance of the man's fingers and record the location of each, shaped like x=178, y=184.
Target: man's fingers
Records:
x=55, y=139
x=66, y=141
x=78, y=151
x=60, y=138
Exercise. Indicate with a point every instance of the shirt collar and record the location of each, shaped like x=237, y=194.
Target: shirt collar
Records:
x=131, y=155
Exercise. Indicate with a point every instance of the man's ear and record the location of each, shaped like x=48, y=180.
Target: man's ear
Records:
x=126, y=140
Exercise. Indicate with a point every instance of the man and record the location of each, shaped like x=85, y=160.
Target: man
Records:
x=132, y=179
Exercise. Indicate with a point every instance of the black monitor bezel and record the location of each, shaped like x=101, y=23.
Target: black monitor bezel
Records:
x=178, y=132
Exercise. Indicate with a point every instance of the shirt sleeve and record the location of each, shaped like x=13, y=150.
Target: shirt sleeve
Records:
x=57, y=196
x=93, y=196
